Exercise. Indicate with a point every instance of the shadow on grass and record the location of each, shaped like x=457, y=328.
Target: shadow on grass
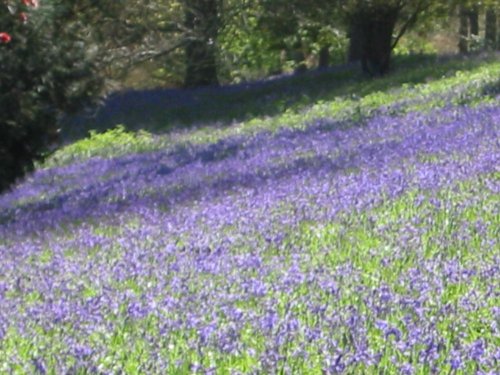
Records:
x=168, y=179
x=160, y=110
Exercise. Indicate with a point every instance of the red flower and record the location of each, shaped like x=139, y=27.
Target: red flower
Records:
x=23, y=17
x=31, y=3
x=5, y=38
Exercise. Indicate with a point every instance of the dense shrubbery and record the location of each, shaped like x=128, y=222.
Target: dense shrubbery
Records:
x=44, y=69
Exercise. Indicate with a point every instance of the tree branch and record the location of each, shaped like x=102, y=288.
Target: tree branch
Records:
x=148, y=55
x=422, y=5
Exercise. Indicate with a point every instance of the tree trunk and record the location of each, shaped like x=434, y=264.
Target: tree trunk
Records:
x=355, y=42
x=474, y=21
x=377, y=28
x=201, y=19
x=463, y=31
x=324, y=57
x=490, y=34
x=474, y=27
x=299, y=57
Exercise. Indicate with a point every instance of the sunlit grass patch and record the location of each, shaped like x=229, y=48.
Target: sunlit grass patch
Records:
x=361, y=100
x=111, y=143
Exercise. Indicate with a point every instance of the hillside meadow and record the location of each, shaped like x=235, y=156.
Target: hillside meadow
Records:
x=317, y=224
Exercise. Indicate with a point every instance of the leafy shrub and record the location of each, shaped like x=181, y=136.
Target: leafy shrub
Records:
x=113, y=142
x=45, y=68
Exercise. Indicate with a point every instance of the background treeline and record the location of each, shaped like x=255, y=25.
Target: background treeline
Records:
x=203, y=42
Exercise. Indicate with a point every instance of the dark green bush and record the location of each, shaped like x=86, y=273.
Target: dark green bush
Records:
x=46, y=69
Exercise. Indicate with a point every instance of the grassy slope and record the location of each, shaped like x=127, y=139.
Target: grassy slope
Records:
x=168, y=109
x=292, y=102
x=369, y=241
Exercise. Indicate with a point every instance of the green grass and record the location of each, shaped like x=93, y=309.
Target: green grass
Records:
x=332, y=96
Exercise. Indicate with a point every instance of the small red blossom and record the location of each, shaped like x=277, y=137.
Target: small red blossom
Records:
x=5, y=38
x=23, y=17
x=31, y=3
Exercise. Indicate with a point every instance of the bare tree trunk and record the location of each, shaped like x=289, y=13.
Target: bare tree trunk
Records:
x=355, y=42
x=474, y=27
x=474, y=20
x=324, y=57
x=490, y=34
x=299, y=57
x=201, y=21
x=371, y=38
x=463, y=31
x=377, y=46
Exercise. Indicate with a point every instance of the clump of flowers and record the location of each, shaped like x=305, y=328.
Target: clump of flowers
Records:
x=5, y=37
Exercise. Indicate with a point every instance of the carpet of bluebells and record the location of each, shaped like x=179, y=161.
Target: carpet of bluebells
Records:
x=342, y=247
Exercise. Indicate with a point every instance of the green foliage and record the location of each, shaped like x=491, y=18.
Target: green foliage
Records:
x=419, y=85
x=415, y=44
x=113, y=142
x=45, y=69
x=143, y=44
x=245, y=49
x=300, y=29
